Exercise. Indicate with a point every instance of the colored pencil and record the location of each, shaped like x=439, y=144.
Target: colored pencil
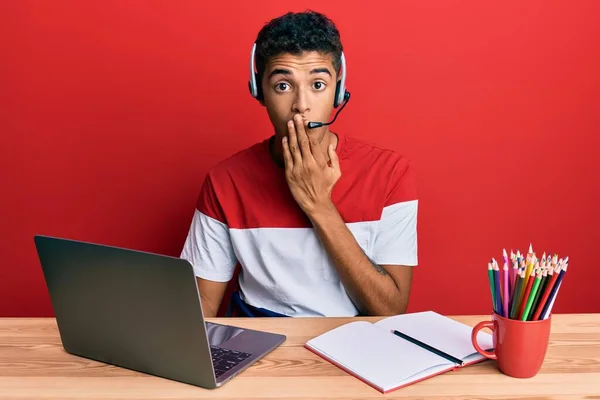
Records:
x=549, y=310
x=497, y=288
x=534, y=289
x=507, y=264
x=538, y=295
x=506, y=293
x=519, y=289
x=526, y=292
x=491, y=279
x=428, y=347
x=550, y=302
x=546, y=294
x=513, y=279
x=530, y=266
x=522, y=291
x=554, y=261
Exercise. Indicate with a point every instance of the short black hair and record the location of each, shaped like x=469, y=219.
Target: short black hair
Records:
x=295, y=33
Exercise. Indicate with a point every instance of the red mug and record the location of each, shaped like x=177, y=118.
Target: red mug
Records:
x=519, y=346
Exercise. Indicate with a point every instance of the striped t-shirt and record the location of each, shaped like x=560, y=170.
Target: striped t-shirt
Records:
x=246, y=214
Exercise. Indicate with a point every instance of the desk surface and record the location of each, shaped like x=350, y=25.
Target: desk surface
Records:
x=33, y=365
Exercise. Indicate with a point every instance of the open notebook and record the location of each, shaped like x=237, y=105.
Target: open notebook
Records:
x=372, y=353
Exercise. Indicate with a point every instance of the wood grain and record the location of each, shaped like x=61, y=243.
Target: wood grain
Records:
x=33, y=365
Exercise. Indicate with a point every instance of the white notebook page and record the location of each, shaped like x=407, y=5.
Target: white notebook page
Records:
x=383, y=359
x=438, y=331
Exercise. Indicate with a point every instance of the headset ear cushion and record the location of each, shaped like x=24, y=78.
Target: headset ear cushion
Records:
x=259, y=93
x=336, y=103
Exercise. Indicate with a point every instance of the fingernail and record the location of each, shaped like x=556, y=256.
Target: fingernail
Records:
x=285, y=139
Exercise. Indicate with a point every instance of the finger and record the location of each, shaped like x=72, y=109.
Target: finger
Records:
x=333, y=158
x=302, y=138
x=293, y=144
x=287, y=155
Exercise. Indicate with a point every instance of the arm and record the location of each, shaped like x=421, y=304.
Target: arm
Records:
x=209, y=249
x=374, y=289
x=211, y=295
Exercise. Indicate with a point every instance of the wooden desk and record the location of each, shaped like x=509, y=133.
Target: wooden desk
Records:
x=33, y=365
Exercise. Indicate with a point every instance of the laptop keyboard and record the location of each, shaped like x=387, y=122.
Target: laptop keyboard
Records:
x=225, y=359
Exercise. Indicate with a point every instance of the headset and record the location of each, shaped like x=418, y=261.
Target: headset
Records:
x=342, y=96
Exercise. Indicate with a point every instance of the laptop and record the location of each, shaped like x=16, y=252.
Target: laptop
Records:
x=142, y=311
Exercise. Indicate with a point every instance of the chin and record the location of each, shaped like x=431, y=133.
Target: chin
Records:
x=318, y=133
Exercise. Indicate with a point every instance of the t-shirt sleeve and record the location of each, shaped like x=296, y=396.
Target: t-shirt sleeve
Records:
x=396, y=234
x=208, y=244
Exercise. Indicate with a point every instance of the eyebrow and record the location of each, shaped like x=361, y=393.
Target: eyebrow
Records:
x=320, y=71
x=278, y=71
x=281, y=71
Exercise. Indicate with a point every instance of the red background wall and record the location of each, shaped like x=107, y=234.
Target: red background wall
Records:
x=111, y=112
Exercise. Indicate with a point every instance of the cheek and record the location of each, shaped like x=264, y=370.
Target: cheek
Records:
x=278, y=115
x=324, y=108
x=277, y=111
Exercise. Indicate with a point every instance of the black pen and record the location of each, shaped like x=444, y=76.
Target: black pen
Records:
x=428, y=347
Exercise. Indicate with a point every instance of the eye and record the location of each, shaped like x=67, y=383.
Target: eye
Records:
x=319, y=85
x=282, y=87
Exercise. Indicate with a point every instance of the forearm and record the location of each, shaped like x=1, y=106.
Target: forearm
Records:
x=211, y=295
x=372, y=290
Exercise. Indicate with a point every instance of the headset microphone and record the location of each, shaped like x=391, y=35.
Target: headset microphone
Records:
x=312, y=125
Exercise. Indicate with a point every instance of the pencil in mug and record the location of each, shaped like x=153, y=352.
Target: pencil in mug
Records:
x=550, y=302
x=497, y=287
x=513, y=276
x=544, y=267
x=534, y=289
x=501, y=282
x=522, y=262
x=491, y=279
x=505, y=286
x=521, y=293
x=547, y=289
x=525, y=296
x=528, y=259
x=507, y=264
x=549, y=310
x=550, y=266
x=512, y=284
x=519, y=288
x=529, y=275
x=538, y=295
x=554, y=261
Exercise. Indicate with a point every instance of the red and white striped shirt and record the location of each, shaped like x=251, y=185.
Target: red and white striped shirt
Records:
x=246, y=214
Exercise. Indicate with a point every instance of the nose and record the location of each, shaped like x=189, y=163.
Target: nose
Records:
x=300, y=104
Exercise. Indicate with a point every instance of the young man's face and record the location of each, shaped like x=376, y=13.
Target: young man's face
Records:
x=299, y=84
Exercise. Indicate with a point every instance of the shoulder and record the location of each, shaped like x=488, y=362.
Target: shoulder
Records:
x=384, y=161
x=239, y=164
x=225, y=178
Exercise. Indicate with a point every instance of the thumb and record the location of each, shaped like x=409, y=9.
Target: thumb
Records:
x=333, y=158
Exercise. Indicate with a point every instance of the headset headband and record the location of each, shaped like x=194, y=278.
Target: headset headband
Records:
x=340, y=92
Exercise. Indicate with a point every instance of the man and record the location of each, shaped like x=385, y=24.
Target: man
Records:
x=320, y=223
